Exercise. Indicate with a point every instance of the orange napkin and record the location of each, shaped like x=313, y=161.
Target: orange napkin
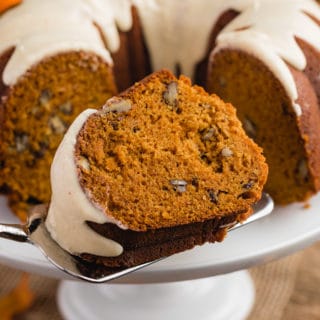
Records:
x=18, y=300
x=6, y=4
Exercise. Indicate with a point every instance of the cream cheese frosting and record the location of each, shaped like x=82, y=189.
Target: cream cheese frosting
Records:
x=267, y=30
x=70, y=207
x=40, y=28
x=176, y=32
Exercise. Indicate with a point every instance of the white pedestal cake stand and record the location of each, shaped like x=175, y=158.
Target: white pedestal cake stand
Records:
x=203, y=283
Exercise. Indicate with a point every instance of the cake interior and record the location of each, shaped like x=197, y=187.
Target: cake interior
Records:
x=176, y=156
x=37, y=113
x=269, y=118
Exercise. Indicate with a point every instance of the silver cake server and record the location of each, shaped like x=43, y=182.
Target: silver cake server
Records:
x=35, y=233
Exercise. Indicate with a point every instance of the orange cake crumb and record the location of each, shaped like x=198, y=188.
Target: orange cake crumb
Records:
x=175, y=155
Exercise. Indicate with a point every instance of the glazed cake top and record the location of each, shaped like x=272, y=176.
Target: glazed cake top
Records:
x=161, y=154
x=264, y=28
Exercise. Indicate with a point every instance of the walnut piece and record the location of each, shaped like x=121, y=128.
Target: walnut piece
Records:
x=21, y=142
x=303, y=170
x=84, y=163
x=179, y=185
x=226, y=152
x=208, y=134
x=213, y=196
x=45, y=97
x=117, y=105
x=57, y=125
x=66, y=108
x=170, y=95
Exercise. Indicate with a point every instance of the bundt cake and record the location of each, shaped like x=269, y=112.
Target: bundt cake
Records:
x=162, y=167
x=49, y=75
x=59, y=57
x=268, y=68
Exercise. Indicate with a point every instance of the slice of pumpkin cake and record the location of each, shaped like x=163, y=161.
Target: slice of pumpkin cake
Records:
x=160, y=168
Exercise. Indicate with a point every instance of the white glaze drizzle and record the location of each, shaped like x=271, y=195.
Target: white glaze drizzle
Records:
x=267, y=30
x=38, y=28
x=177, y=32
x=70, y=208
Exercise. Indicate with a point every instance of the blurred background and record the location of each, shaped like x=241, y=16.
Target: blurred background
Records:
x=285, y=289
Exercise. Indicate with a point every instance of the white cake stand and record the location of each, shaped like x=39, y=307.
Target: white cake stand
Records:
x=203, y=283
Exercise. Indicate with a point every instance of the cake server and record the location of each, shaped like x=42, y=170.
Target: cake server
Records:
x=35, y=233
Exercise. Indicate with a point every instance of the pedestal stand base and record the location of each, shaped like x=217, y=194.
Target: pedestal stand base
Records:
x=226, y=297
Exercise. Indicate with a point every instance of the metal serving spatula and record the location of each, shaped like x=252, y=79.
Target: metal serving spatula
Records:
x=35, y=232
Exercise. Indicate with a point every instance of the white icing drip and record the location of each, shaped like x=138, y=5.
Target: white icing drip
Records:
x=267, y=30
x=297, y=109
x=177, y=32
x=111, y=15
x=256, y=44
x=40, y=28
x=70, y=208
x=287, y=20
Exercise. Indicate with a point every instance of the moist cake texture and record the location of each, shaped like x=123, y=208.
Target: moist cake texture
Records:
x=268, y=71
x=126, y=40
x=289, y=142
x=164, y=162
x=171, y=144
x=35, y=115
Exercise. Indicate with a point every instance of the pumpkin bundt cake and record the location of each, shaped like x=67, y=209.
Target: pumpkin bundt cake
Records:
x=59, y=57
x=162, y=167
x=48, y=76
x=268, y=68
x=35, y=115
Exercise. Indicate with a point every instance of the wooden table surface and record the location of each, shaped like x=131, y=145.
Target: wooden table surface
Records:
x=287, y=289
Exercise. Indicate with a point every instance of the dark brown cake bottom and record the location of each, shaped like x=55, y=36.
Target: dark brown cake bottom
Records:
x=141, y=247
